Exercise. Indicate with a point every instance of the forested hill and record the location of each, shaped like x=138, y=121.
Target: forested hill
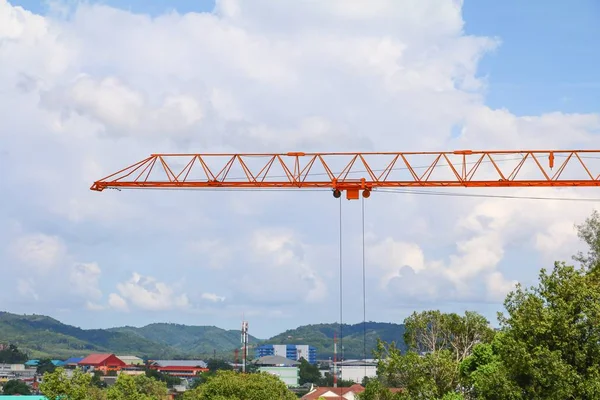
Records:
x=321, y=336
x=42, y=336
x=187, y=339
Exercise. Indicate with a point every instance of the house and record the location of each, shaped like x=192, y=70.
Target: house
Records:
x=346, y=393
x=179, y=368
x=131, y=360
x=330, y=393
x=101, y=362
x=72, y=362
x=285, y=369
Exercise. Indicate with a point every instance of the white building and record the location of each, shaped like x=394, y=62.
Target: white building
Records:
x=356, y=370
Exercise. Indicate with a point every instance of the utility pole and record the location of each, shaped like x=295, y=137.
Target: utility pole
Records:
x=244, y=345
x=334, y=360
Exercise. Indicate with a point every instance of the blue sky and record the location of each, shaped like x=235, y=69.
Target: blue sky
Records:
x=99, y=91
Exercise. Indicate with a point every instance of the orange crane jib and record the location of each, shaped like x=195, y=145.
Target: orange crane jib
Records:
x=361, y=171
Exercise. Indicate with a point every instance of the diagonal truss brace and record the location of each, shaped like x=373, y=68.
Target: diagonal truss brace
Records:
x=338, y=171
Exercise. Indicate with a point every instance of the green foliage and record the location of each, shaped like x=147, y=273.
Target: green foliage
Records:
x=15, y=387
x=45, y=337
x=57, y=384
x=437, y=344
x=308, y=373
x=97, y=381
x=551, y=345
x=321, y=336
x=139, y=387
x=589, y=233
x=230, y=385
x=375, y=390
x=201, y=340
x=45, y=365
x=430, y=331
x=12, y=355
x=215, y=365
x=169, y=380
x=453, y=396
x=82, y=386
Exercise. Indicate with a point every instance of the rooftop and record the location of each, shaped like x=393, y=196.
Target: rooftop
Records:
x=275, y=360
x=180, y=363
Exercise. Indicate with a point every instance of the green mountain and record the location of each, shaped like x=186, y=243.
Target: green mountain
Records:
x=321, y=336
x=42, y=336
x=190, y=340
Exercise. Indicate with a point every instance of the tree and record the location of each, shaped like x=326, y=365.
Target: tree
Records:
x=159, y=376
x=12, y=355
x=139, y=387
x=15, y=387
x=45, y=365
x=97, y=381
x=551, y=341
x=589, y=232
x=215, y=365
x=230, y=385
x=375, y=390
x=308, y=373
x=57, y=385
x=437, y=344
x=430, y=331
x=327, y=380
x=484, y=375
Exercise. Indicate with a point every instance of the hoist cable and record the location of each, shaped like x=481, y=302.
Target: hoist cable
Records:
x=364, y=289
x=341, y=289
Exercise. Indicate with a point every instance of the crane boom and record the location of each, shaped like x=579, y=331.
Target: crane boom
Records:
x=353, y=172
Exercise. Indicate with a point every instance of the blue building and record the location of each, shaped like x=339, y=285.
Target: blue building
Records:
x=289, y=351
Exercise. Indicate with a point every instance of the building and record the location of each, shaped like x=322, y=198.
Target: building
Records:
x=131, y=360
x=346, y=393
x=101, y=362
x=72, y=362
x=35, y=363
x=289, y=351
x=15, y=371
x=285, y=369
x=179, y=368
x=356, y=370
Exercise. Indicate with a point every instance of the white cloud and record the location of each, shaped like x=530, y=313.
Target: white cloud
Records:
x=213, y=297
x=84, y=278
x=147, y=293
x=87, y=95
x=25, y=287
x=117, y=302
x=89, y=305
x=39, y=251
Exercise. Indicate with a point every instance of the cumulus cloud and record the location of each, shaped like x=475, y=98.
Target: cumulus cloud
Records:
x=89, y=94
x=85, y=278
x=117, y=302
x=213, y=297
x=39, y=251
x=147, y=293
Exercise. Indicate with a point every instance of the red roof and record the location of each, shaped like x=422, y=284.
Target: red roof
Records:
x=102, y=359
x=356, y=388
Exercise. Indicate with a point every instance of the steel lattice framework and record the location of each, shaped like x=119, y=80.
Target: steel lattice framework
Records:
x=361, y=171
